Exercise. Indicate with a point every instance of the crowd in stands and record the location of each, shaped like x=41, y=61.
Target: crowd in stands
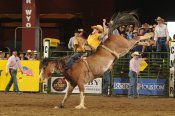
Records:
x=159, y=42
x=28, y=55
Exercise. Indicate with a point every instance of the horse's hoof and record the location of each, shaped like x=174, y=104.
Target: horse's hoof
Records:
x=80, y=107
x=61, y=106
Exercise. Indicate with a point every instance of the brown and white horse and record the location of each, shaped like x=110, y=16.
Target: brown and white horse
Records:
x=85, y=70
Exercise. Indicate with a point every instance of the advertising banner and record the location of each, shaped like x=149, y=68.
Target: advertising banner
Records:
x=60, y=85
x=145, y=86
x=26, y=82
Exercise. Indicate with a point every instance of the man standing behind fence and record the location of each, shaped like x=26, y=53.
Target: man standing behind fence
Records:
x=161, y=36
x=134, y=69
x=12, y=65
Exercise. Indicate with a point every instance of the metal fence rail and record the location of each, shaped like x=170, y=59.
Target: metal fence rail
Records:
x=158, y=67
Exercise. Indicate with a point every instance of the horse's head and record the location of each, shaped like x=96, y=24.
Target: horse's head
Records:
x=47, y=67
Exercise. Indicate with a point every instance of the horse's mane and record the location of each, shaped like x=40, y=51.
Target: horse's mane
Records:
x=124, y=18
x=63, y=59
x=45, y=61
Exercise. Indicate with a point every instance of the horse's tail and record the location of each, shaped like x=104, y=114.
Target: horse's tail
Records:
x=124, y=18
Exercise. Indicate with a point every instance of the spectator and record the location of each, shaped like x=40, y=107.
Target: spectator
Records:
x=161, y=36
x=122, y=31
x=35, y=55
x=22, y=56
x=129, y=34
x=7, y=56
x=29, y=55
x=174, y=37
x=70, y=44
x=106, y=80
x=1, y=55
x=12, y=65
x=135, y=33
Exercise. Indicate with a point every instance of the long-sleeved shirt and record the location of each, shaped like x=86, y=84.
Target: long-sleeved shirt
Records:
x=70, y=44
x=134, y=64
x=14, y=63
x=161, y=30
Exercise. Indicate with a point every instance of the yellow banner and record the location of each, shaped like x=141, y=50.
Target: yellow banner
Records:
x=26, y=82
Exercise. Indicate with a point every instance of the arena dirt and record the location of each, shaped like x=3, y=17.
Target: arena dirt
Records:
x=37, y=104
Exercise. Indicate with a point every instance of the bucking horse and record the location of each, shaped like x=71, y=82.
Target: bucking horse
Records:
x=86, y=69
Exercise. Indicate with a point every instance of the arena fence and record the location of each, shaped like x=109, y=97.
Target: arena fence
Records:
x=153, y=80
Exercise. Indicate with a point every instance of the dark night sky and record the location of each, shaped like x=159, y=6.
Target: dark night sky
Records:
x=147, y=10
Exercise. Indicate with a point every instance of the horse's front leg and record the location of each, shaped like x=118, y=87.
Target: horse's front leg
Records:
x=82, y=96
x=67, y=95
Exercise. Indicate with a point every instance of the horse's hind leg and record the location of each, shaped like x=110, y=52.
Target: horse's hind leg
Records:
x=67, y=95
x=81, y=105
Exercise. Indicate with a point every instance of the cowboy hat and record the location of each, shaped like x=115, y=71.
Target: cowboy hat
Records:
x=159, y=19
x=81, y=30
x=35, y=52
x=135, y=54
x=99, y=27
x=29, y=51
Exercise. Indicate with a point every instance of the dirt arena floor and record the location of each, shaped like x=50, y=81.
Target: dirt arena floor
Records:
x=37, y=104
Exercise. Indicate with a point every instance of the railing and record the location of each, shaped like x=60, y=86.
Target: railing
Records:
x=158, y=67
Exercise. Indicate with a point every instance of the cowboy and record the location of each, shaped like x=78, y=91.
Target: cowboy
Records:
x=134, y=70
x=70, y=44
x=161, y=35
x=35, y=55
x=78, y=47
x=95, y=38
x=29, y=55
x=12, y=65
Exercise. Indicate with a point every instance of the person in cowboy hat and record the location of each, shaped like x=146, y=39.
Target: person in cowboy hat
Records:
x=70, y=43
x=95, y=38
x=12, y=65
x=161, y=36
x=35, y=55
x=134, y=70
x=78, y=47
x=29, y=55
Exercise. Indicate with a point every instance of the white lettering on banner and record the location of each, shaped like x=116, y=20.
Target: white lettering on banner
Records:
x=171, y=78
x=152, y=87
x=46, y=49
x=28, y=18
x=121, y=85
x=94, y=82
x=28, y=12
x=28, y=25
x=140, y=86
x=28, y=1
